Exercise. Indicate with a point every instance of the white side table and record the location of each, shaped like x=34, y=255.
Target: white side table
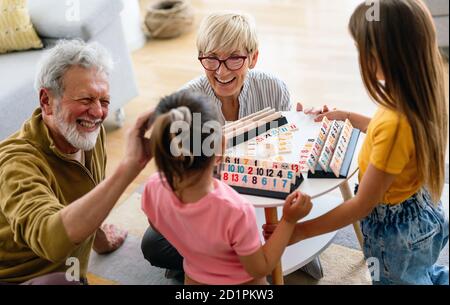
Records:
x=303, y=252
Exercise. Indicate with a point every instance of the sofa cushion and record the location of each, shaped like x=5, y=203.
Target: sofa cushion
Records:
x=18, y=97
x=72, y=19
x=16, y=31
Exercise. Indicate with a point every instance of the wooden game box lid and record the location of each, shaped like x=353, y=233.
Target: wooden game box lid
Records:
x=251, y=127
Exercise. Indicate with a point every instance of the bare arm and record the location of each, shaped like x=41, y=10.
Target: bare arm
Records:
x=358, y=121
x=84, y=216
x=374, y=185
x=262, y=262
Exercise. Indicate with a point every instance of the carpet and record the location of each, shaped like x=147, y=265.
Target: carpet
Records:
x=342, y=261
x=126, y=266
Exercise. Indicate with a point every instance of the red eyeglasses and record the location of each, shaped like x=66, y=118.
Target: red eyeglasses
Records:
x=233, y=63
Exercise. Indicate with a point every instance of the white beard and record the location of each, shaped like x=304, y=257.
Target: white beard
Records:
x=83, y=141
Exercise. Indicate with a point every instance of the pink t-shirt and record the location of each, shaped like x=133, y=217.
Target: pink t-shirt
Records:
x=210, y=234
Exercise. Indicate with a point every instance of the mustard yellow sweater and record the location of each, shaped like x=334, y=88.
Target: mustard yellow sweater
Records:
x=36, y=183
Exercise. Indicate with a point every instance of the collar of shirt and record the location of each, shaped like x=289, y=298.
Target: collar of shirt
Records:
x=243, y=96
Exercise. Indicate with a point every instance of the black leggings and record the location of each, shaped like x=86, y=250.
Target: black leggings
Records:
x=159, y=252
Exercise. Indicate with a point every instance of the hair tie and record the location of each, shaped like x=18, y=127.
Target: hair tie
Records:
x=182, y=113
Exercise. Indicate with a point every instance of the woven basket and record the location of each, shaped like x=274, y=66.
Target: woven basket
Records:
x=169, y=18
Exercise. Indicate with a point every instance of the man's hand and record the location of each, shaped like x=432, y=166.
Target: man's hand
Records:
x=92, y=208
x=296, y=207
x=137, y=149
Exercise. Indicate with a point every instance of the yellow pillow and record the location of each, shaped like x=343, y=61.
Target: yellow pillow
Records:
x=16, y=31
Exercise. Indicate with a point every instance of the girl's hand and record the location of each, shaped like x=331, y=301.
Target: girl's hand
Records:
x=311, y=111
x=333, y=115
x=318, y=111
x=268, y=230
x=324, y=111
x=296, y=207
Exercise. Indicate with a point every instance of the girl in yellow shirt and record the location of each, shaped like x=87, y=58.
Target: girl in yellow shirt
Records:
x=402, y=161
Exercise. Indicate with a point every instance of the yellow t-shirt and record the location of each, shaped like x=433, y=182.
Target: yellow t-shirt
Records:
x=389, y=147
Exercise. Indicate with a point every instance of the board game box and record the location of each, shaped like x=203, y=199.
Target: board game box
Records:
x=272, y=162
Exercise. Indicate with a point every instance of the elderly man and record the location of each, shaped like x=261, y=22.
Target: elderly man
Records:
x=54, y=195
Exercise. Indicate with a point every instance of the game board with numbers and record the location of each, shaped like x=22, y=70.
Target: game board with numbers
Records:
x=270, y=164
x=333, y=150
x=261, y=178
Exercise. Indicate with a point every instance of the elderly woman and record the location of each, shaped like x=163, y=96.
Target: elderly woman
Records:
x=228, y=51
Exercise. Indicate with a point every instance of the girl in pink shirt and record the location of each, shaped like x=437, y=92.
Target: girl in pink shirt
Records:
x=210, y=225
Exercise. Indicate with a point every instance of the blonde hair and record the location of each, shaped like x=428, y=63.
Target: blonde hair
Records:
x=227, y=32
x=407, y=53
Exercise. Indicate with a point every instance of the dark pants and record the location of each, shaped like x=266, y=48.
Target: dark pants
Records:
x=49, y=279
x=160, y=253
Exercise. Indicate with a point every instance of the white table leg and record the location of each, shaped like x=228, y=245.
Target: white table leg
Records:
x=277, y=273
x=347, y=194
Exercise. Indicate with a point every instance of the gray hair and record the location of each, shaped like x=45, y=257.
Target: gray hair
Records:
x=66, y=54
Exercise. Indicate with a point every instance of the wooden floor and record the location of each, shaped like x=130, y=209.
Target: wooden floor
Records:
x=304, y=42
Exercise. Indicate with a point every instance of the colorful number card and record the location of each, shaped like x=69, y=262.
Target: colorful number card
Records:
x=261, y=178
x=336, y=152
x=277, y=132
x=304, y=154
x=342, y=145
x=318, y=145
x=330, y=145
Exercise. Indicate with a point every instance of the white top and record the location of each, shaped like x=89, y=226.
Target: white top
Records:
x=261, y=90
